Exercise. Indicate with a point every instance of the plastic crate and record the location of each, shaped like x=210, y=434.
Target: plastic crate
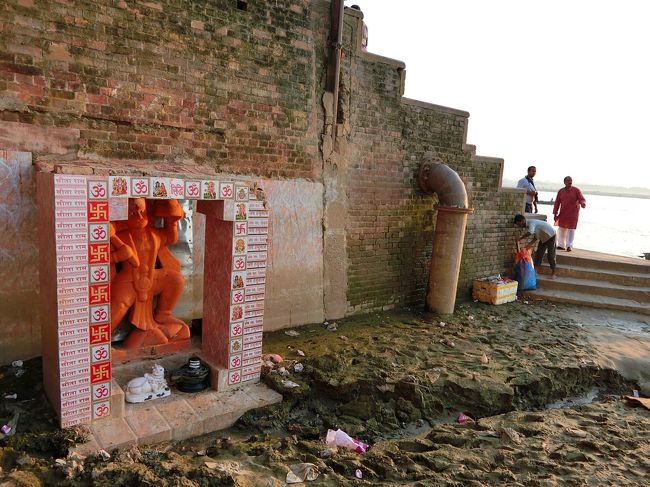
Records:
x=494, y=291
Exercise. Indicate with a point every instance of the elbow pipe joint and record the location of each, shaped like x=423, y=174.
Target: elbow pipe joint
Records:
x=436, y=177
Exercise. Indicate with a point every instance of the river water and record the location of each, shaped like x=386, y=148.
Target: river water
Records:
x=610, y=224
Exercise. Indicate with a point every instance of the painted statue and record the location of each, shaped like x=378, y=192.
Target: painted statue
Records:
x=147, y=387
x=147, y=270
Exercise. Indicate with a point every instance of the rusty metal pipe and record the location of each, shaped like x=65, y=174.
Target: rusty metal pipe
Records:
x=453, y=208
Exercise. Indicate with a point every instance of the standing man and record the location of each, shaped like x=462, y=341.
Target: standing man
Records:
x=544, y=232
x=565, y=210
x=531, y=192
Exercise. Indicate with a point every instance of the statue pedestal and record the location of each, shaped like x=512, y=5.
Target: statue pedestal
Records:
x=121, y=355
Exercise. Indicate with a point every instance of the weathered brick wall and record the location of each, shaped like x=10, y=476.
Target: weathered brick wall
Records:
x=223, y=83
x=231, y=86
x=236, y=87
x=391, y=222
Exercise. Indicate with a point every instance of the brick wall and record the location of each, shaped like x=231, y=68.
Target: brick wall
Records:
x=228, y=84
x=391, y=222
x=236, y=87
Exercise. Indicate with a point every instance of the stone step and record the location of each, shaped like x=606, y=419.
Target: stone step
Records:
x=603, y=262
x=640, y=294
x=586, y=299
x=594, y=274
x=177, y=417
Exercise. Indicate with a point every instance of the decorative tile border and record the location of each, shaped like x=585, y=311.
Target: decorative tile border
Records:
x=83, y=208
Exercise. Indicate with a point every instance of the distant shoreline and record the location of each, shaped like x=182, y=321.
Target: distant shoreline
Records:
x=594, y=189
x=605, y=193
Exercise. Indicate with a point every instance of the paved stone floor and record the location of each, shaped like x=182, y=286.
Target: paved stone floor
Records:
x=177, y=417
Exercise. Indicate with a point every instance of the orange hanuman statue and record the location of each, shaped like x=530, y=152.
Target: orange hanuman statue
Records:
x=148, y=269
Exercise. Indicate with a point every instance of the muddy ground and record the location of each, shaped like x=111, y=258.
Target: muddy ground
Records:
x=542, y=386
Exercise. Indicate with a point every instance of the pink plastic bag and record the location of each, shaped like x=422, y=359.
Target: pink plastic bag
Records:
x=341, y=438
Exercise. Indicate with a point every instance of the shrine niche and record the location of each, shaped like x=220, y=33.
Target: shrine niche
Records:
x=105, y=259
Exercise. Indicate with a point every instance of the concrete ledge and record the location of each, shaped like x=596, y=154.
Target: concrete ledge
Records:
x=431, y=106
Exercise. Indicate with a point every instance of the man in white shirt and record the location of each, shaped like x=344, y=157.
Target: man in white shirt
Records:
x=531, y=192
x=544, y=233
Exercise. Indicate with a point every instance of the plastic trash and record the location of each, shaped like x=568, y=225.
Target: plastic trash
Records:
x=17, y=363
x=525, y=270
x=11, y=396
x=298, y=368
x=300, y=352
x=341, y=438
x=358, y=473
x=292, y=333
x=10, y=428
x=635, y=393
x=463, y=419
x=289, y=384
x=302, y=472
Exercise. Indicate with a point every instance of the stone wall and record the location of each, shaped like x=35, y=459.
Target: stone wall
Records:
x=229, y=87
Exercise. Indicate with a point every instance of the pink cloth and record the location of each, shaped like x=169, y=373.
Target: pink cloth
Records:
x=567, y=207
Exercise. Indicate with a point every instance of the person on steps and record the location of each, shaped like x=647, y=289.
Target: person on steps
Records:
x=542, y=232
x=566, y=209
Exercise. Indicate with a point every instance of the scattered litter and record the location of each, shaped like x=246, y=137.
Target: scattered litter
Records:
x=643, y=401
x=17, y=363
x=525, y=302
x=15, y=396
x=105, y=455
x=300, y=352
x=292, y=333
x=283, y=372
x=635, y=393
x=298, y=368
x=326, y=453
x=341, y=438
x=358, y=473
x=386, y=388
x=470, y=317
x=508, y=434
x=449, y=343
x=201, y=453
x=344, y=338
x=301, y=472
x=274, y=357
x=576, y=433
x=289, y=384
x=484, y=358
x=10, y=428
x=476, y=376
x=463, y=418
x=226, y=466
x=332, y=327
x=442, y=324
x=60, y=462
x=528, y=351
x=326, y=323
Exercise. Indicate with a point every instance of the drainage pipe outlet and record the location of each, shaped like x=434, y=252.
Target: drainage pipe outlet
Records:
x=453, y=208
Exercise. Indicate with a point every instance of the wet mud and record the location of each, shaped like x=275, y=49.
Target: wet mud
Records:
x=541, y=387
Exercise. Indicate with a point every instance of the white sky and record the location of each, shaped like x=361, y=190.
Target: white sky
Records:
x=563, y=85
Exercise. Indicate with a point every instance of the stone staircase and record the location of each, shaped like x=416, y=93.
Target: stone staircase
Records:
x=597, y=280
